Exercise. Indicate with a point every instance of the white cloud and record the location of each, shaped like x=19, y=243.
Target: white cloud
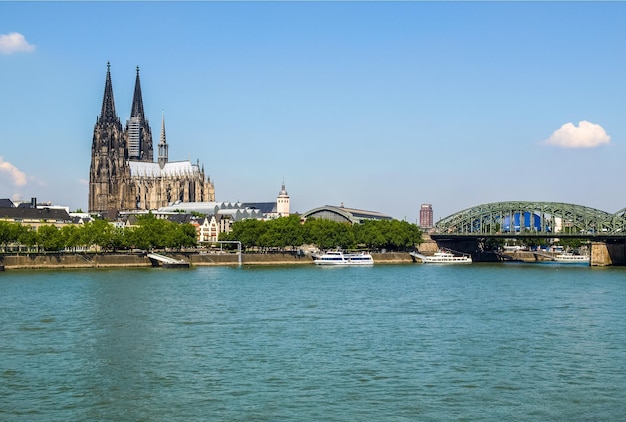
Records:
x=586, y=135
x=16, y=176
x=13, y=43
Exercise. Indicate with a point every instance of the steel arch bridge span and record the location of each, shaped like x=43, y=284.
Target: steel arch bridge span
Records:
x=538, y=219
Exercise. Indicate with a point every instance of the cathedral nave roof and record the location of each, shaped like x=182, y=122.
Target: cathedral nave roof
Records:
x=170, y=169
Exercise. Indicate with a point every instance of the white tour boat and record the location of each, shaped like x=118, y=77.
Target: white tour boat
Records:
x=442, y=258
x=340, y=258
x=568, y=257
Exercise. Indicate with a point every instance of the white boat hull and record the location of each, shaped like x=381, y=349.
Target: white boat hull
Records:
x=337, y=258
x=572, y=259
x=442, y=258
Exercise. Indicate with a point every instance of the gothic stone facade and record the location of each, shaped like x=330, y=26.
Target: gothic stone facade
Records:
x=123, y=176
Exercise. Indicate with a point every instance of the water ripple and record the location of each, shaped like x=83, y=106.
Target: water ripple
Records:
x=479, y=343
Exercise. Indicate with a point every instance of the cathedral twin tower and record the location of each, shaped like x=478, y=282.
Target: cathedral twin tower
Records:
x=123, y=175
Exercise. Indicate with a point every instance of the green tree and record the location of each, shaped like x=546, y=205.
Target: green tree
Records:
x=401, y=235
x=71, y=236
x=494, y=243
x=248, y=232
x=157, y=233
x=180, y=235
x=189, y=233
x=9, y=233
x=49, y=238
x=152, y=231
x=328, y=234
x=388, y=234
x=119, y=239
x=284, y=231
x=28, y=236
x=370, y=234
x=533, y=242
x=97, y=233
x=134, y=238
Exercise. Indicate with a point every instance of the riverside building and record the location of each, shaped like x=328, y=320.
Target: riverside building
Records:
x=235, y=211
x=426, y=216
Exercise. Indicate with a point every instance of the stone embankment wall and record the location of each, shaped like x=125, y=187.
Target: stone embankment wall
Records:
x=429, y=246
x=39, y=261
x=530, y=256
x=280, y=259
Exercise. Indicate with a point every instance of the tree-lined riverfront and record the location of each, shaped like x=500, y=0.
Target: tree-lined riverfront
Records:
x=154, y=233
x=149, y=233
x=288, y=232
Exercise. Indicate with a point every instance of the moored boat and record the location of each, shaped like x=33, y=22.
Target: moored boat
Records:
x=340, y=258
x=442, y=257
x=567, y=257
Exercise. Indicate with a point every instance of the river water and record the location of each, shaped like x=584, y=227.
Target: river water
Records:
x=480, y=342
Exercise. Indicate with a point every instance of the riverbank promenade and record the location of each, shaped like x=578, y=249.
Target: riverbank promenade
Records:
x=112, y=260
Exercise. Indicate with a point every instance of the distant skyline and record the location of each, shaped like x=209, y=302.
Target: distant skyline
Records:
x=381, y=106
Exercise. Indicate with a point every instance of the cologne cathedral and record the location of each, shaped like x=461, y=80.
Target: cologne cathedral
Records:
x=123, y=174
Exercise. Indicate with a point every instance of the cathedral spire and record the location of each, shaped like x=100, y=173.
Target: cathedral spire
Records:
x=136, y=109
x=108, y=104
x=138, y=133
x=162, y=144
x=108, y=152
x=163, y=140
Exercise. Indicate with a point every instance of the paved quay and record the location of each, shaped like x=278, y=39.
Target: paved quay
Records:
x=43, y=261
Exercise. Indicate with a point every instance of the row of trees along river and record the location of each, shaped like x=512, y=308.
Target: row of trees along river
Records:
x=289, y=232
x=153, y=233
x=149, y=233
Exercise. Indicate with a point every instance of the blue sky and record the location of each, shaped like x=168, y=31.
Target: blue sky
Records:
x=377, y=105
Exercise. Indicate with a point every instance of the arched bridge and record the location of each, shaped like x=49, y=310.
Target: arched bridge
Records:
x=532, y=219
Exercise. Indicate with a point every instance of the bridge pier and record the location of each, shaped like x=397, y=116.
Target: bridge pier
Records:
x=608, y=253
